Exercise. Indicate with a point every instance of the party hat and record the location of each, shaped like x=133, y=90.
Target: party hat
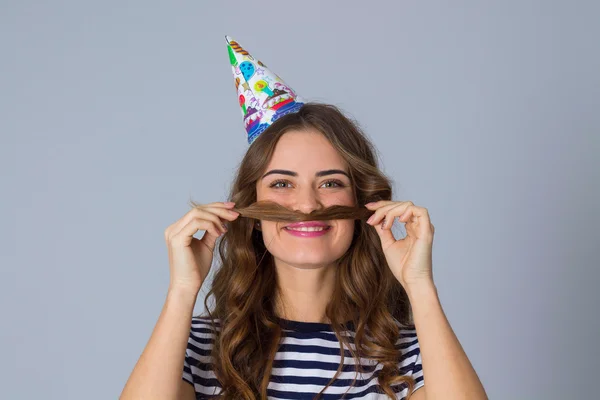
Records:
x=263, y=96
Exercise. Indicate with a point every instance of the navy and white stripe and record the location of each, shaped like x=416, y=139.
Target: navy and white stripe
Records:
x=307, y=359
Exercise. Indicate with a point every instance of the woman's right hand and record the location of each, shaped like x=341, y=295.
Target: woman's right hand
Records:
x=190, y=258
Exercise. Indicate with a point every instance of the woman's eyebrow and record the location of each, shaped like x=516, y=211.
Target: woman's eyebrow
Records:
x=318, y=174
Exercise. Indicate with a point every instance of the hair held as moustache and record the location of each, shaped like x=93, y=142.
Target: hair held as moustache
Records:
x=271, y=211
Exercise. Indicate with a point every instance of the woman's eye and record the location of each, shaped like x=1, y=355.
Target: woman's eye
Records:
x=336, y=182
x=274, y=184
x=284, y=182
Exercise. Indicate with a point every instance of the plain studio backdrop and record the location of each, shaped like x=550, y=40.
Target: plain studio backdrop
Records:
x=114, y=114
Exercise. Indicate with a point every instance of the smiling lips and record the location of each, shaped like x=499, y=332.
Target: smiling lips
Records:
x=308, y=228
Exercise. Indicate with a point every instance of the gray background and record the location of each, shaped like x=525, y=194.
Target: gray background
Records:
x=114, y=114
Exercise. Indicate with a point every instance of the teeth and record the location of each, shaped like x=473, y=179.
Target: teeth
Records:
x=307, y=229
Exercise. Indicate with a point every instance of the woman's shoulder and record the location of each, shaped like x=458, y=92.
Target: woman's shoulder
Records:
x=406, y=330
x=411, y=362
x=201, y=339
x=203, y=323
x=407, y=341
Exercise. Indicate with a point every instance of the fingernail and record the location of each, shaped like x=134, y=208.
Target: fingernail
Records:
x=229, y=203
x=370, y=219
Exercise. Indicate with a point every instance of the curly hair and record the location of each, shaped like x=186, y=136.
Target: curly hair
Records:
x=244, y=286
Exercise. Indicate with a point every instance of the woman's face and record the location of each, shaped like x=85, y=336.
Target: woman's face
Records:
x=306, y=173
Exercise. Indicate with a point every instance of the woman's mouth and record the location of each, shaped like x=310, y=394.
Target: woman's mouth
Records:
x=312, y=231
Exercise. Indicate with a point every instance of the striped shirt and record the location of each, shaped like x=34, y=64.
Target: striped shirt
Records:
x=308, y=357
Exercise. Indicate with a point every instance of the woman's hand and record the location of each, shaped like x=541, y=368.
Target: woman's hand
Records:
x=410, y=258
x=190, y=258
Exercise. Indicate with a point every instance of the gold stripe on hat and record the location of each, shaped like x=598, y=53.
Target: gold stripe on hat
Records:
x=237, y=48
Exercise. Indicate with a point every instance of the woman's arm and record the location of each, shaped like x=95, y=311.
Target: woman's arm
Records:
x=158, y=372
x=447, y=372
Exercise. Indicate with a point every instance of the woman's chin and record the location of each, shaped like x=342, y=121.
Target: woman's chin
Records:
x=309, y=260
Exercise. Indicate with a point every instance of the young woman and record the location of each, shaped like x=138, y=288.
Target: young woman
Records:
x=332, y=306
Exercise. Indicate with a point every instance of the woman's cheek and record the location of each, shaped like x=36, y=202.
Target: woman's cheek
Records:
x=270, y=228
x=346, y=228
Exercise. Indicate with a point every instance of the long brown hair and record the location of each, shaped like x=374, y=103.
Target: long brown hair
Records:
x=245, y=285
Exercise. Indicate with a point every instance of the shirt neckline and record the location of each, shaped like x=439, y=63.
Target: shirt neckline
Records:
x=301, y=326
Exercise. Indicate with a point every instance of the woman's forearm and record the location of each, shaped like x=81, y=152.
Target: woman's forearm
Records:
x=158, y=372
x=447, y=372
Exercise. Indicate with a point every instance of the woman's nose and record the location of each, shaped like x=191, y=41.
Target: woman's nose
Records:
x=307, y=201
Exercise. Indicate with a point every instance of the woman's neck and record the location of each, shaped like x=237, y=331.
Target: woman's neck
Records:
x=297, y=308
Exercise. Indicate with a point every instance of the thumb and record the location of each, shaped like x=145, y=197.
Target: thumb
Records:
x=209, y=239
x=386, y=235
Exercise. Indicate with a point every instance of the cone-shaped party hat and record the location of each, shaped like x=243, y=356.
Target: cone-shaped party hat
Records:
x=262, y=95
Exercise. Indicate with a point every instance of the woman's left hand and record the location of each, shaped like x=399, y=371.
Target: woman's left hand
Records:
x=410, y=258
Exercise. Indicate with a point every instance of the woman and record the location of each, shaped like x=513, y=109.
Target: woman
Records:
x=289, y=297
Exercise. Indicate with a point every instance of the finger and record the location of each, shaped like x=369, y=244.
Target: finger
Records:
x=389, y=212
x=225, y=213
x=215, y=216
x=184, y=237
x=417, y=222
x=226, y=204
x=385, y=235
x=210, y=246
x=211, y=213
x=176, y=227
x=376, y=204
x=224, y=216
x=382, y=203
x=221, y=204
x=416, y=213
x=378, y=214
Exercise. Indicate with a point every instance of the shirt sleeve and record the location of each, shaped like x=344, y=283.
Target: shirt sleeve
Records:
x=197, y=369
x=187, y=375
x=187, y=369
x=417, y=371
x=411, y=364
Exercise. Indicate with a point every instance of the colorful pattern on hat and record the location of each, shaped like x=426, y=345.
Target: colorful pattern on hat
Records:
x=262, y=95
